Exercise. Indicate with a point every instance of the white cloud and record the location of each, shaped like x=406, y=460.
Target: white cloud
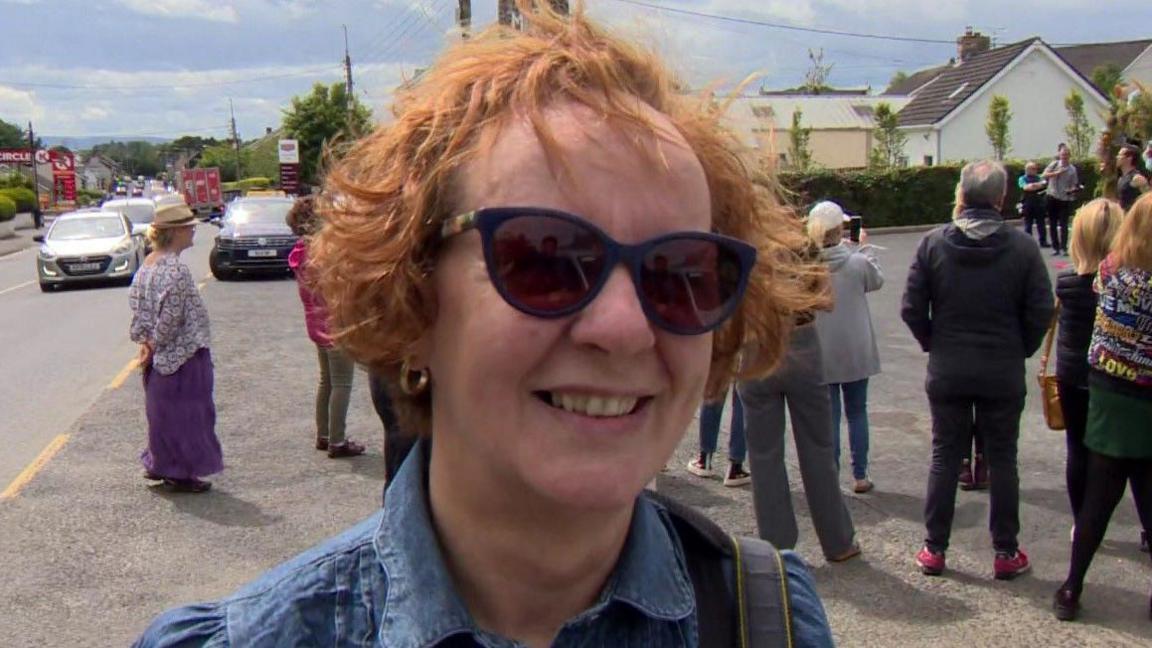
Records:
x=20, y=106
x=202, y=9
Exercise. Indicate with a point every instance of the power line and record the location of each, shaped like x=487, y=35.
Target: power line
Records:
x=310, y=72
x=810, y=30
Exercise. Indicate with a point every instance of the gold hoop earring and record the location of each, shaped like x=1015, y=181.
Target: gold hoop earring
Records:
x=406, y=380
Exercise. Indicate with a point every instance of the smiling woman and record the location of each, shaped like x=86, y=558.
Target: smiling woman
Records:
x=558, y=255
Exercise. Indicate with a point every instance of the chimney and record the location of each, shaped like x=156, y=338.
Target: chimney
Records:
x=971, y=44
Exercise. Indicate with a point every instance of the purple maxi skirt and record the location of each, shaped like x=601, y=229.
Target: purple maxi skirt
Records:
x=182, y=441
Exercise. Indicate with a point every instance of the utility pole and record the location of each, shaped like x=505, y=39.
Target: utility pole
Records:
x=464, y=18
x=348, y=103
x=36, y=217
x=235, y=137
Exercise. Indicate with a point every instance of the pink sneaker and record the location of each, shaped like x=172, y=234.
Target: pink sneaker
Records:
x=931, y=562
x=1009, y=566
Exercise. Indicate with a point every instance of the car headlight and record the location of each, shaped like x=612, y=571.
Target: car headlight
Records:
x=124, y=247
x=46, y=253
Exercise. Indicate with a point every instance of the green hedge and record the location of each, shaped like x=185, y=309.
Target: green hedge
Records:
x=7, y=209
x=910, y=196
x=88, y=197
x=25, y=199
x=14, y=180
x=247, y=184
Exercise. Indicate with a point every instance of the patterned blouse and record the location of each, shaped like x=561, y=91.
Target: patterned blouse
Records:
x=168, y=312
x=1122, y=337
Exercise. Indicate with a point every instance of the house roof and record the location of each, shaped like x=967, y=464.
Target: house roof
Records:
x=958, y=82
x=916, y=80
x=1089, y=56
x=763, y=114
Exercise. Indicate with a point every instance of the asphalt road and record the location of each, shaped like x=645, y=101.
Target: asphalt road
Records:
x=60, y=351
x=89, y=553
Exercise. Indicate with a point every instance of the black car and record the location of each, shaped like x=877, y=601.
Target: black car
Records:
x=253, y=238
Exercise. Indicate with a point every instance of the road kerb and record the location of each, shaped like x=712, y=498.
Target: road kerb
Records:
x=35, y=467
x=124, y=373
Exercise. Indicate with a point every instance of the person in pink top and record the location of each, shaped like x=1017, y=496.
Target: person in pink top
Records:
x=336, y=368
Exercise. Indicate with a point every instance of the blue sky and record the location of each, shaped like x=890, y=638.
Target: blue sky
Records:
x=168, y=67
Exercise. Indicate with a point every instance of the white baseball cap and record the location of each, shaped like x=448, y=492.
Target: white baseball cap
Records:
x=828, y=214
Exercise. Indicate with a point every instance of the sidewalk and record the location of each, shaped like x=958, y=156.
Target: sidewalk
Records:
x=23, y=235
x=90, y=553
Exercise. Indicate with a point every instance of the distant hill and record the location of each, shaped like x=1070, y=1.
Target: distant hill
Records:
x=77, y=143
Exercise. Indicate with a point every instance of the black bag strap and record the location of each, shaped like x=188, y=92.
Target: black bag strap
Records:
x=741, y=587
x=762, y=586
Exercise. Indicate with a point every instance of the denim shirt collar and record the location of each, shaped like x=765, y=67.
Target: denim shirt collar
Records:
x=422, y=608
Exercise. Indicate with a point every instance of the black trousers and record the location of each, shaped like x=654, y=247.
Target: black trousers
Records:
x=397, y=445
x=1107, y=477
x=1074, y=403
x=1034, y=216
x=953, y=419
x=1058, y=213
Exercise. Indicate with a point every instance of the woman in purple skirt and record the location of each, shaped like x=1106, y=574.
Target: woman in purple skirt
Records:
x=170, y=323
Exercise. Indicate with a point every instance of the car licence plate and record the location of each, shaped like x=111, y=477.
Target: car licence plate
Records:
x=261, y=253
x=83, y=267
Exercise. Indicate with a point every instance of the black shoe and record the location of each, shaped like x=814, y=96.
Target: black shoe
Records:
x=1144, y=541
x=1065, y=604
x=1056, y=253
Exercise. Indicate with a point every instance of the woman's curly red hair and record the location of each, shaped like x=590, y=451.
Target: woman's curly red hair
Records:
x=386, y=199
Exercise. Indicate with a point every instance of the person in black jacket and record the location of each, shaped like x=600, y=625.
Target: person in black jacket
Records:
x=978, y=301
x=1132, y=181
x=1093, y=229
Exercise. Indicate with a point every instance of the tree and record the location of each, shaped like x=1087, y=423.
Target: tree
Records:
x=997, y=126
x=12, y=136
x=1106, y=77
x=134, y=158
x=816, y=78
x=324, y=120
x=223, y=156
x=798, y=143
x=1080, y=133
x=888, y=153
x=899, y=77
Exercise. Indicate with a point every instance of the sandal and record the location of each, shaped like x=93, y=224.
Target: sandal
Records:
x=189, y=485
x=346, y=449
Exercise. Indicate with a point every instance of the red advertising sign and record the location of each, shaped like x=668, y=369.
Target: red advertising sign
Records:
x=290, y=178
x=63, y=163
x=15, y=156
x=212, y=178
x=65, y=186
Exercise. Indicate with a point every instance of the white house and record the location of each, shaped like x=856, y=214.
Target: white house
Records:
x=948, y=110
x=842, y=125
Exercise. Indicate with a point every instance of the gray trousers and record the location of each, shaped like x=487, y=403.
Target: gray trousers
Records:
x=333, y=393
x=795, y=384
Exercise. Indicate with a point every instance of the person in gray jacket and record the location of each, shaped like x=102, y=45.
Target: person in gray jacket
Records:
x=849, y=356
x=978, y=301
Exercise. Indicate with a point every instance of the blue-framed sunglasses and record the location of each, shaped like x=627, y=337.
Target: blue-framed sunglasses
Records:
x=549, y=263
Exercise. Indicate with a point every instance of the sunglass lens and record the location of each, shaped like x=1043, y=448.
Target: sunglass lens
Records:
x=546, y=265
x=690, y=283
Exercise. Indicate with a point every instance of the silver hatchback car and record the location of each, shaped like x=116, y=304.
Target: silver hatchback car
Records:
x=86, y=246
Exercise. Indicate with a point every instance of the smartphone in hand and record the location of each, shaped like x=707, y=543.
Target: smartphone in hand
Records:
x=855, y=224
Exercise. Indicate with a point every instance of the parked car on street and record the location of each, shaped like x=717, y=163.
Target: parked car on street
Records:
x=87, y=246
x=253, y=238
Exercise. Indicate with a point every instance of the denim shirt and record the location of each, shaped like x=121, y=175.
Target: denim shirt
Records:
x=384, y=583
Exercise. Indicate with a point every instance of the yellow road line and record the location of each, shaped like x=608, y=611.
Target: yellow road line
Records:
x=36, y=466
x=17, y=286
x=124, y=373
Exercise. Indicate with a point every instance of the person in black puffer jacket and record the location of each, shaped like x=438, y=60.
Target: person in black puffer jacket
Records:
x=979, y=301
x=1093, y=229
